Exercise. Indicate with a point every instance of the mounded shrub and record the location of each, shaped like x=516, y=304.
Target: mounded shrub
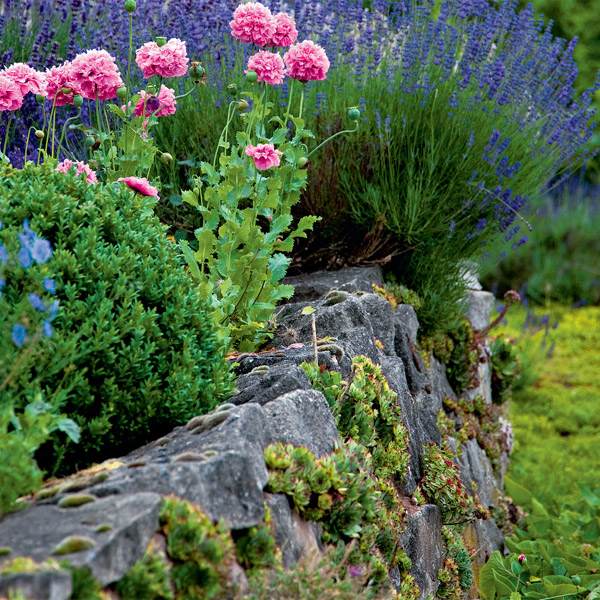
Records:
x=134, y=352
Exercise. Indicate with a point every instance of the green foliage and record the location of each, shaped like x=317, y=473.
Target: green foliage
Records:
x=556, y=421
x=85, y=585
x=246, y=227
x=456, y=576
x=134, y=352
x=441, y=485
x=201, y=551
x=457, y=349
x=341, y=494
x=396, y=293
x=478, y=420
x=559, y=262
x=366, y=411
x=21, y=434
x=149, y=578
x=505, y=361
x=325, y=578
x=256, y=548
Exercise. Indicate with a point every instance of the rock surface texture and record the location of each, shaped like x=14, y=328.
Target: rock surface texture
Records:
x=217, y=461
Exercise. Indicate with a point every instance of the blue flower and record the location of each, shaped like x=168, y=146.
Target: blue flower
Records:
x=50, y=286
x=2, y=284
x=53, y=310
x=47, y=328
x=19, y=332
x=3, y=255
x=41, y=251
x=37, y=302
x=25, y=257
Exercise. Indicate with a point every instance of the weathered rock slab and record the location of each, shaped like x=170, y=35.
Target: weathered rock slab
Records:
x=39, y=530
x=40, y=585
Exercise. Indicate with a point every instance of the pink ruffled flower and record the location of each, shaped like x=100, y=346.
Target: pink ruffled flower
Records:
x=96, y=70
x=306, y=61
x=58, y=78
x=169, y=60
x=80, y=167
x=285, y=31
x=10, y=94
x=159, y=106
x=265, y=156
x=140, y=185
x=253, y=23
x=27, y=78
x=268, y=66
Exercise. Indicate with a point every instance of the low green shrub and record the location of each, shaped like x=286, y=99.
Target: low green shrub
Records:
x=505, y=361
x=134, y=352
x=456, y=576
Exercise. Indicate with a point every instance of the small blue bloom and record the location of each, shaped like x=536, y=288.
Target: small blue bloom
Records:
x=50, y=286
x=41, y=251
x=47, y=328
x=25, y=257
x=37, y=302
x=19, y=333
x=53, y=310
x=3, y=254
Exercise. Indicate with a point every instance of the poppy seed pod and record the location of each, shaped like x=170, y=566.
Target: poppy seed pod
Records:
x=251, y=76
x=354, y=113
x=130, y=6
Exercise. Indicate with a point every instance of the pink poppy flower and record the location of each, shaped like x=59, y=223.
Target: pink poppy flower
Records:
x=140, y=185
x=306, y=61
x=80, y=167
x=96, y=71
x=10, y=94
x=253, y=23
x=159, y=106
x=285, y=31
x=169, y=60
x=28, y=79
x=58, y=78
x=268, y=66
x=265, y=156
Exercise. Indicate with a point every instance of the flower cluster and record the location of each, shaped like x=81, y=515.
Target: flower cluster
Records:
x=265, y=156
x=96, y=75
x=33, y=249
x=79, y=167
x=160, y=106
x=254, y=23
x=168, y=60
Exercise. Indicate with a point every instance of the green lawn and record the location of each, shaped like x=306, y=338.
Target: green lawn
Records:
x=557, y=418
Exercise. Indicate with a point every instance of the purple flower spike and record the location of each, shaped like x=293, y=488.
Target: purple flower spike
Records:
x=3, y=254
x=25, y=257
x=19, y=332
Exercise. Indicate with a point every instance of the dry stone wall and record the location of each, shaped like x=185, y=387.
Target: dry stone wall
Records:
x=217, y=461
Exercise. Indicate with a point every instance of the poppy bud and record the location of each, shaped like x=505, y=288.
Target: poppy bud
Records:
x=39, y=134
x=165, y=158
x=122, y=92
x=160, y=41
x=40, y=98
x=196, y=71
x=242, y=105
x=90, y=140
x=77, y=101
x=354, y=113
x=303, y=162
x=66, y=90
